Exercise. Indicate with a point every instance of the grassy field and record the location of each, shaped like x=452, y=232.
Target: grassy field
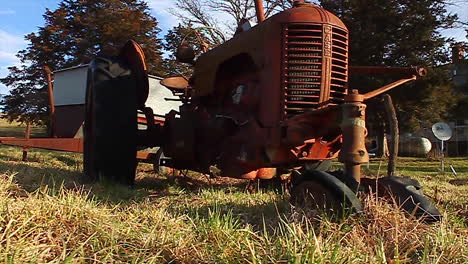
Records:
x=18, y=130
x=48, y=216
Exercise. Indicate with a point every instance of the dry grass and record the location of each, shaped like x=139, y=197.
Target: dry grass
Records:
x=46, y=216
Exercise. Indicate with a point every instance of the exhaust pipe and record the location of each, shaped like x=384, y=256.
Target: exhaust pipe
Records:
x=259, y=10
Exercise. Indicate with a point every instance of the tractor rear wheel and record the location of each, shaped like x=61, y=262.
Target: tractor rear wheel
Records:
x=318, y=190
x=110, y=129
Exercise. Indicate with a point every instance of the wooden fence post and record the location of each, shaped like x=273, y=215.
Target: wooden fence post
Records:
x=27, y=135
x=394, y=133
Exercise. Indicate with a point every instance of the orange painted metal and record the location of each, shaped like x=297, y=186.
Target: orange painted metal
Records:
x=62, y=144
x=249, y=175
x=143, y=120
x=266, y=173
x=319, y=149
x=142, y=155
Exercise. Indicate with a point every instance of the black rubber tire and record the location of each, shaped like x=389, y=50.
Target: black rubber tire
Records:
x=110, y=128
x=334, y=195
x=408, y=194
x=157, y=168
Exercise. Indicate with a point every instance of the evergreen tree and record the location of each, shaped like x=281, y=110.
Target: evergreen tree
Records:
x=73, y=34
x=402, y=33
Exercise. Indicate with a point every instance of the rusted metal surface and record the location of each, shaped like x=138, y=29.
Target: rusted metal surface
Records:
x=143, y=155
x=262, y=46
x=133, y=54
x=311, y=53
x=274, y=96
x=62, y=144
x=409, y=71
x=388, y=87
x=175, y=83
x=259, y=10
x=266, y=98
x=185, y=54
x=266, y=173
x=353, y=125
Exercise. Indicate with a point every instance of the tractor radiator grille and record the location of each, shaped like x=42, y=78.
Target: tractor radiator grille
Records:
x=315, y=66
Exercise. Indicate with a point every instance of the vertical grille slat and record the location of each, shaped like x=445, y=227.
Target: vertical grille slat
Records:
x=307, y=47
x=339, y=65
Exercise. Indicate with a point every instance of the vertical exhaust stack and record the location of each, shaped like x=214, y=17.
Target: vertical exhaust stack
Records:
x=259, y=10
x=298, y=2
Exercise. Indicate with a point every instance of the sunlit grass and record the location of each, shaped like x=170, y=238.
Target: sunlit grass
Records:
x=48, y=215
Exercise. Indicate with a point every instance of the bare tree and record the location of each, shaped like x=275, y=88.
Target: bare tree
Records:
x=240, y=9
x=206, y=14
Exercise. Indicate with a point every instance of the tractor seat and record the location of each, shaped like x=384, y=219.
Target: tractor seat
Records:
x=175, y=84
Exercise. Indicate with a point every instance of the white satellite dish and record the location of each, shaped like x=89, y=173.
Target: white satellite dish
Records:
x=442, y=131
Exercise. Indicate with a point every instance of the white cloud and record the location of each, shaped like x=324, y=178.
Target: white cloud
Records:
x=3, y=73
x=7, y=12
x=161, y=9
x=10, y=44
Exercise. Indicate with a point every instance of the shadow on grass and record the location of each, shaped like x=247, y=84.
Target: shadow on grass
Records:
x=69, y=161
x=191, y=183
x=30, y=178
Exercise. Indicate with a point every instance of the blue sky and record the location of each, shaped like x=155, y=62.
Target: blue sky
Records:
x=20, y=17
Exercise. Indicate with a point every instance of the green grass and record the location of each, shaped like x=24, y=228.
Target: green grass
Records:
x=18, y=130
x=48, y=216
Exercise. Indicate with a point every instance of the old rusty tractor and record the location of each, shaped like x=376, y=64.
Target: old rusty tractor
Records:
x=273, y=101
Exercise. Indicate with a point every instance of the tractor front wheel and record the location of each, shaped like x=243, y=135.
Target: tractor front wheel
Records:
x=323, y=192
x=110, y=128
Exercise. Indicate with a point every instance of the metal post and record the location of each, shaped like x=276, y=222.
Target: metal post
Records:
x=393, y=125
x=442, y=155
x=26, y=136
x=353, y=126
x=259, y=10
